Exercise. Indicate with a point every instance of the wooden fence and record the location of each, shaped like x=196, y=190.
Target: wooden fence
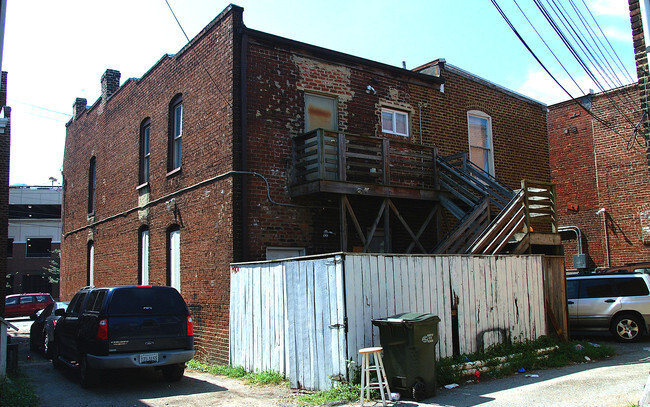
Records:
x=292, y=315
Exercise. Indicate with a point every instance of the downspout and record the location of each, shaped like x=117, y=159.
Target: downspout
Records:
x=575, y=230
x=603, y=212
x=245, y=251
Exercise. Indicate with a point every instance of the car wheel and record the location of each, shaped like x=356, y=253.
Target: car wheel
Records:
x=47, y=349
x=56, y=362
x=87, y=375
x=627, y=328
x=173, y=373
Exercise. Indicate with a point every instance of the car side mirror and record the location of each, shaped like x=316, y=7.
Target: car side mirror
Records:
x=59, y=312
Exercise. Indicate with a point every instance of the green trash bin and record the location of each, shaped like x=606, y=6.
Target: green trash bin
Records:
x=409, y=341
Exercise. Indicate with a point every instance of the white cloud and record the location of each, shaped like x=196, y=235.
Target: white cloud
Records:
x=610, y=8
x=540, y=86
x=613, y=33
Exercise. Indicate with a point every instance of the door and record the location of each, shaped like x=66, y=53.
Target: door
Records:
x=597, y=303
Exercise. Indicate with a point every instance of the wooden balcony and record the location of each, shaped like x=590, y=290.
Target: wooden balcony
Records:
x=342, y=163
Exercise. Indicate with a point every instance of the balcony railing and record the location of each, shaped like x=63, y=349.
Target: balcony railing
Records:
x=325, y=155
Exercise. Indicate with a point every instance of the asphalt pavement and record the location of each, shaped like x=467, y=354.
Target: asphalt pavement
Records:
x=617, y=381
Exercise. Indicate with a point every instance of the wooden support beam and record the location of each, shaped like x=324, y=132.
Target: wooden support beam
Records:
x=423, y=227
x=382, y=209
x=354, y=220
x=406, y=226
x=343, y=224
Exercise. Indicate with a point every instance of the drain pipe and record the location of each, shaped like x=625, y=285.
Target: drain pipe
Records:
x=603, y=212
x=575, y=230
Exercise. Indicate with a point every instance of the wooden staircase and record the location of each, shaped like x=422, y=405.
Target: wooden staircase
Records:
x=492, y=217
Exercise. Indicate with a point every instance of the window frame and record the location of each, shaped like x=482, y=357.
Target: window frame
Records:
x=143, y=256
x=490, y=139
x=92, y=184
x=174, y=257
x=393, y=129
x=175, y=140
x=90, y=264
x=145, y=152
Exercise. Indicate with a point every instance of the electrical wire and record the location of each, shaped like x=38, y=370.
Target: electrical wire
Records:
x=201, y=60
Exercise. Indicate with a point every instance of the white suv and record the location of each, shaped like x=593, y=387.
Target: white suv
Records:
x=618, y=302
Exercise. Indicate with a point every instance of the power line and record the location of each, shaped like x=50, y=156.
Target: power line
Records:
x=201, y=61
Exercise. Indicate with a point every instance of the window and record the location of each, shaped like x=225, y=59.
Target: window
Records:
x=394, y=122
x=596, y=288
x=175, y=133
x=630, y=287
x=174, y=258
x=320, y=112
x=480, y=140
x=91, y=185
x=75, y=305
x=145, y=150
x=38, y=247
x=143, y=269
x=90, y=264
x=276, y=253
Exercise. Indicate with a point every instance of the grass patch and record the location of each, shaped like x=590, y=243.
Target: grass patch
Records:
x=343, y=391
x=521, y=355
x=237, y=372
x=17, y=391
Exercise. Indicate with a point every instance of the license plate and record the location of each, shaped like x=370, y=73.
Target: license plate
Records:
x=148, y=357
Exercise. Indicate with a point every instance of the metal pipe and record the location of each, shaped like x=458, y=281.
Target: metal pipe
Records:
x=578, y=233
x=603, y=212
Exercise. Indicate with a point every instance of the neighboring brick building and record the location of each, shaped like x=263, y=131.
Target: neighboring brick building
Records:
x=596, y=167
x=171, y=177
x=34, y=239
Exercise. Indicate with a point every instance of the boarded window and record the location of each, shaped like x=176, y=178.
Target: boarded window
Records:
x=645, y=226
x=320, y=112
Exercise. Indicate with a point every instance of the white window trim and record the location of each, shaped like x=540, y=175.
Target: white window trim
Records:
x=482, y=115
x=394, y=113
x=175, y=259
x=144, y=261
x=91, y=265
x=299, y=251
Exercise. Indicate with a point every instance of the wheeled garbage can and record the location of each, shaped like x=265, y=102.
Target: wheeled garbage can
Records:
x=409, y=341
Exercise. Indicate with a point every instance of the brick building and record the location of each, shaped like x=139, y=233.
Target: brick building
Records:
x=596, y=166
x=34, y=239
x=230, y=151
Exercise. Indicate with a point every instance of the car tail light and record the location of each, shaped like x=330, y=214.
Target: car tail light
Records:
x=54, y=321
x=102, y=330
x=190, y=326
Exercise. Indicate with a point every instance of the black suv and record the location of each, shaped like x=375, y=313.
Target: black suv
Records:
x=124, y=327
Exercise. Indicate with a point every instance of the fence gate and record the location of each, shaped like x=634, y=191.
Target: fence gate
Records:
x=289, y=316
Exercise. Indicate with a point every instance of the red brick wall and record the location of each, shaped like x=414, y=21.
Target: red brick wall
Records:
x=594, y=168
x=213, y=230
x=110, y=132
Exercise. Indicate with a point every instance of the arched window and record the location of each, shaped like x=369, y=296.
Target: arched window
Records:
x=143, y=256
x=90, y=264
x=145, y=150
x=92, y=182
x=481, y=151
x=174, y=257
x=175, y=133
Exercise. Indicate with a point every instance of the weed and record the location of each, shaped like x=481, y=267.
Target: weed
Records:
x=17, y=391
x=238, y=372
x=342, y=391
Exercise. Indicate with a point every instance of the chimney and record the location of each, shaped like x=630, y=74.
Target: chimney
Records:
x=78, y=107
x=110, y=83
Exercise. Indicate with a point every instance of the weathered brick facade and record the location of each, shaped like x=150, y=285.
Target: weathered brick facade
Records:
x=242, y=117
x=596, y=167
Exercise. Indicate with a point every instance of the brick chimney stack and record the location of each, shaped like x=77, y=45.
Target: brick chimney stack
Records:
x=78, y=107
x=110, y=83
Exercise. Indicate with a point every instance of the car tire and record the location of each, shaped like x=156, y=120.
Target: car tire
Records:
x=87, y=375
x=47, y=348
x=627, y=328
x=173, y=373
x=56, y=362
x=419, y=390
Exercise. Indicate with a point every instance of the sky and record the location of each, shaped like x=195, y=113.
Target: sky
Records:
x=57, y=51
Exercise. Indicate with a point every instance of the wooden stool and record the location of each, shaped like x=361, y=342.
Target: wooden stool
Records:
x=382, y=380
